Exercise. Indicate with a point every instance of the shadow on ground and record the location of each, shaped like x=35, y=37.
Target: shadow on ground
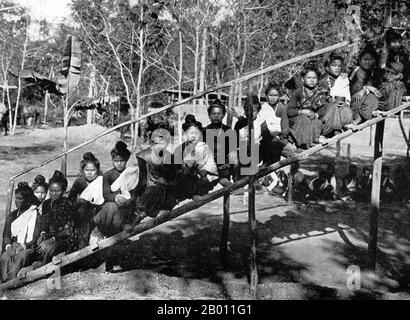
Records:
x=190, y=249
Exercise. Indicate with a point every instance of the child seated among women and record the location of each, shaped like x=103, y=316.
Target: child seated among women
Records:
x=57, y=233
x=120, y=189
x=87, y=192
x=350, y=182
x=306, y=109
x=365, y=81
x=364, y=186
x=320, y=188
x=21, y=231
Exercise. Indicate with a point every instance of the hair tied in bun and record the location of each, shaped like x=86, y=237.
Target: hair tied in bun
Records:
x=121, y=150
x=88, y=156
x=22, y=185
x=39, y=179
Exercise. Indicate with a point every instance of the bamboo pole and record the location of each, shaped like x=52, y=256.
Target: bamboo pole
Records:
x=193, y=97
x=251, y=203
x=291, y=193
x=223, y=247
x=183, y=209
x=375, y=198
x=9, y=201
x=253, y=240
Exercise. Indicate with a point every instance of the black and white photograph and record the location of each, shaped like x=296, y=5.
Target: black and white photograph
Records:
x=222, y=152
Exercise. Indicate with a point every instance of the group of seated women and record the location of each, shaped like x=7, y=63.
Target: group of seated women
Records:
x=48, y=222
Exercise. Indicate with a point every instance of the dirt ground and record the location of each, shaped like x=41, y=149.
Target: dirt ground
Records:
x=304, y=251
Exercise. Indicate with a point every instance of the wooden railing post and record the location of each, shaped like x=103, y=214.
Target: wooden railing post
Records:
x=9, y=201
x=251, y=201
x=375, y=198
x=223, y=247
x=291, y=183
x=253, y=232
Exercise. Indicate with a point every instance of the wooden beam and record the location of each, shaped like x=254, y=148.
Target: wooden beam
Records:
x=183, y=209
x=375, y=198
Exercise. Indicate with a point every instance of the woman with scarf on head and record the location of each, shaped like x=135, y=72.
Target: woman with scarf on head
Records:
x=21, y=231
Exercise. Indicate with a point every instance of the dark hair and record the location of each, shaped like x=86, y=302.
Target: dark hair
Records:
x=333, y=57
x=392, y=35
x=39, y=181
x=385, y=168
x=330, y=165
x=26, y=192
x=366, y=169
x=88, y=157
x=323, y=174
x=369, y=49
x=251, y=101
x=271, y=86
x=307, y=69
x=190, y=121
x=121, y=150
x=217, y=104
x=58, y=177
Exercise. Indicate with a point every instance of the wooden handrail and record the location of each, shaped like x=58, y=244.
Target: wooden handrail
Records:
x=148, y=225
x=193, y=97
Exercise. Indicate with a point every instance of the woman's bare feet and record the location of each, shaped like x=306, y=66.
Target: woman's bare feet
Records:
x=354, y=127
x=197, y=198
x=225, y=182
x=323, y=140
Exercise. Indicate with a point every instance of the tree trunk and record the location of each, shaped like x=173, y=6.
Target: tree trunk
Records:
x=203, y=61
x=45, y=106
x=180, y=86
x=139, y=81
x=65, y=141
x=91, y=94
x=196, y=64
x=23, y=59
x=10, y=111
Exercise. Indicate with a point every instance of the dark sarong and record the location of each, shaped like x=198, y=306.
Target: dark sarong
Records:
x=365, y=107
x=305, y=131
x=156, y=198
x=336, y=117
